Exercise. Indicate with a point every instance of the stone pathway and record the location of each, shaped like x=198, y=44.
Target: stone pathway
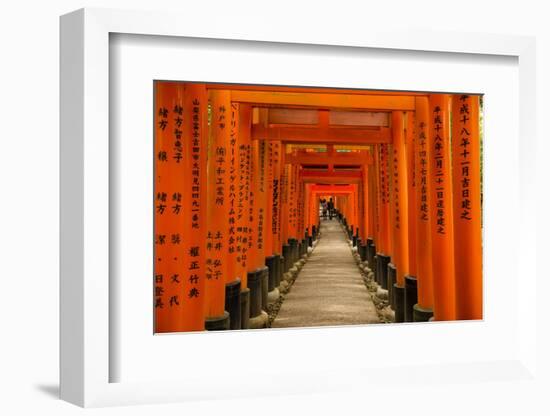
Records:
x=329, y=289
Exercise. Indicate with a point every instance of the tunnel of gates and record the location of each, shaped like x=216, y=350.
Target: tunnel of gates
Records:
x=240, y=172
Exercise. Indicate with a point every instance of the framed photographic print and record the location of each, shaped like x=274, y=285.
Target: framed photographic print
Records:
x=270, y=209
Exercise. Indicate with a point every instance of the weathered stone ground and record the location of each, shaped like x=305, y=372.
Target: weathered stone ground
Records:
x=329, y=289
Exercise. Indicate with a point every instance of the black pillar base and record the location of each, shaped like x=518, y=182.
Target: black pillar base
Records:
x=392, y=279
x=255, y=286
x=277, y=269
x=245, y=308
x=217, y=323
x=422, y=314
x=363, y=251
x=309, y=241
x=264, y=279
x=354, y=240
x=399, y=296
x=293, y=243
x=314, y=232
x=371, y=253
x=411, y=297
x=272, y=279
x=286, y=257
x=304, y=247
x=382, y=262
x=233, y=303
x=281, y=270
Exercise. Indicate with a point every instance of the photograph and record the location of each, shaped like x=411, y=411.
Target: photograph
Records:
x=301, y=206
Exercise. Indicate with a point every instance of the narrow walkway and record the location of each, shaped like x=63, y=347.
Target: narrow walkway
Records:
x=329, y=289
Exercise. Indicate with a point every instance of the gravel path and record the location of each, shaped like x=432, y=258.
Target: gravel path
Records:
x=329, y=289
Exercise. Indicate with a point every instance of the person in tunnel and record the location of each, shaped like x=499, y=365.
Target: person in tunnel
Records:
x=330, y=209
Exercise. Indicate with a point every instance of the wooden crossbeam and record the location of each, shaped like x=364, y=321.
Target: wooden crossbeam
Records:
x=321, y=135
x=330, y=90
x=328, y=180
x=297, y=116
x=305, y=173
x=353, y=158
x=325, y=100
x=330, y=188
x=331, y=191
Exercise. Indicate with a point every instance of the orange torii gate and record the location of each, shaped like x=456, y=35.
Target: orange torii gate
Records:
x=234, y=276
x=218, y=208
x=411, y=285
x=423, y=310
x=231, y=202
x=272, y=235
x=341, y=194
x=180, y=206
x=385, y=238
x=399, y=266
x=441, y=208
x=466, y=148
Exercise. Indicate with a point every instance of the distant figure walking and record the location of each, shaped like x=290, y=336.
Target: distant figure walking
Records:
x=324, y=206
x=330, y=209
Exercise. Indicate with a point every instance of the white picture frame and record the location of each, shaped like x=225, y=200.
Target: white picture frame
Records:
x=86, y=353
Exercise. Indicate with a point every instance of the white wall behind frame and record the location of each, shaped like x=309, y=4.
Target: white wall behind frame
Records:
x=29, y=363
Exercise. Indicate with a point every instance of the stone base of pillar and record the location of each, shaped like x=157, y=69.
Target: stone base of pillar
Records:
x=259, y=321
x=422, y=314
x=233, y=303
x=399, y=296
x=217, y=323
x=411, y=297
x=382, y=294
x=273, y=296
x=245, y=308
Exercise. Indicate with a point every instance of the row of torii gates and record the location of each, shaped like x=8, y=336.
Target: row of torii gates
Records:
x=240, y=171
